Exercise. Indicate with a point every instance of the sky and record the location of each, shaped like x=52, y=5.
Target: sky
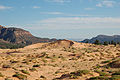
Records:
x=62, y=19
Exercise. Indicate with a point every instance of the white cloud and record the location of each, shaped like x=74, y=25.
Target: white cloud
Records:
x=78, y=23
x=4, y=7
x=78, y=15
x=66, y=14
x=106, y=3
x=59, y=1
x=82, y=20
x=52, y=13
x=36, y=7
x=99, y=5
x=89, y=8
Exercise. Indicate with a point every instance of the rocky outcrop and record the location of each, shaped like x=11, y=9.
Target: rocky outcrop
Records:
x=20, y=36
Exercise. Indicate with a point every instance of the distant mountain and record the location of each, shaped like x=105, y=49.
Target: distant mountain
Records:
x=75, y=39
x=103, y=38
x=20, y=36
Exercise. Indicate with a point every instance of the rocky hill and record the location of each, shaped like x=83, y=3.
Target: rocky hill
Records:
x=20, y=36
x=103, y=38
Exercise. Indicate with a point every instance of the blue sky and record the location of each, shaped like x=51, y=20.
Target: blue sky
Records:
x=78, y=19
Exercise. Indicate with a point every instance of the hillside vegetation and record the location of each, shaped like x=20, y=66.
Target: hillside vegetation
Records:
x=61, y=60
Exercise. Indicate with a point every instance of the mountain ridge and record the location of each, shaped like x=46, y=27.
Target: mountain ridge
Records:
x=20, y=36
x=103, y=38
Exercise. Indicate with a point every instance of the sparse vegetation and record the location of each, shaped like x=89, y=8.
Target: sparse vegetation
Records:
x=36, y=65
x=97, y=42
x=1, y=75
x=6, y=66
x=20, y=76
x=25, y=72
x=10, y=46
x=8, y=79
x=84, y=61
x=32, y=69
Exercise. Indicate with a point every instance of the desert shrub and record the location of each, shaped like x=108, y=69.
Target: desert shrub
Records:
x=105, y=43
x=73, y=58
x=32, y=69
x=74, y=75
x=116, y=73
x=43, y=54
x=83, y=71
x=98, y=66
x=57, y=72
x=8, y=79
x=115, y=77
x=45, y=61
x=6, y=66
x=37, y=65
x=20, y=76
x=47, y=56
x=1, y=75
x=102, y=73
x=42, y=76
x=97, y=42
x=106, y=61
x=80, y=72
x=25, y=72
x=13, y=61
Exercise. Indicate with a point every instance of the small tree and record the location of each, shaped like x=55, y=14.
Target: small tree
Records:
x=118, y=43
x=86, y=41
x=115, y=43
x=112, y=42
x=97, y=42
x=105, y=43
x=109, y=42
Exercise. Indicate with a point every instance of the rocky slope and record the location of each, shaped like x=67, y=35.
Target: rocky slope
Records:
x=20, y=36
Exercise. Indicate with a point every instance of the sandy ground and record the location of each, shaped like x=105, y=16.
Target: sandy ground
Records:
x=54, y=60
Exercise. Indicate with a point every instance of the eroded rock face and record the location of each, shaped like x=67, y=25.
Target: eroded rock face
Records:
x=20, y=36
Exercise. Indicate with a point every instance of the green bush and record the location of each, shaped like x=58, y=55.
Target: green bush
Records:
x=20, y=76
x=1, y=75
x=102, y=73
x=80, y=73
x=32, y=69
x=25, y=72
x=106, y=61
x=42, y=76
x=97, y=42
x=37, y=65
x=116, y=73
x=115, y=77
